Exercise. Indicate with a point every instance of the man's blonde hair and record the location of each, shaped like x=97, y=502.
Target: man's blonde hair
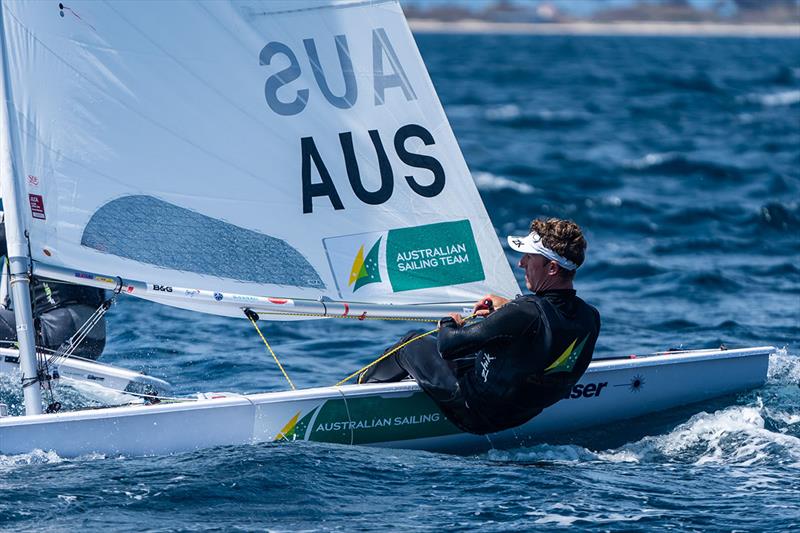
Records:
x=563, y=237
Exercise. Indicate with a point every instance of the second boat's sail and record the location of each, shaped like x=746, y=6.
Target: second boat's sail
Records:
x=293, y=149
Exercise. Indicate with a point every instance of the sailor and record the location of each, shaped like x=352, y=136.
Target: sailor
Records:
x=59, y=309
x=525, y=355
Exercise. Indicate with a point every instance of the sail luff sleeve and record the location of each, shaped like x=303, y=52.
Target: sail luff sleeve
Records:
x=18, y=256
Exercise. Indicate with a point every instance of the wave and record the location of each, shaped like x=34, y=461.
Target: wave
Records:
x=663, y=81
x=777, y=216
x=680, y=246
x=734, y=436
x=780, y=269
x=713, y=280
x=782, y=98
x=651, y=160
x=760, y=433
x=784, y=369
x=677, y=164
x=623, y=269
x=675, y=324
x=512, y=116
x=36, y=457
x=489, y=182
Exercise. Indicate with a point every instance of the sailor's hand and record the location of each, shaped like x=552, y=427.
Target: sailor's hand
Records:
x=458, y=319
x=489, y=304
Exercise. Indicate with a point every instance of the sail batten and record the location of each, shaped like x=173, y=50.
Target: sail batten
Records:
x=250, y=148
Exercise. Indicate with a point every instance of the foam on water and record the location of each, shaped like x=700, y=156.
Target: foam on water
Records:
x=783, y=98
x=571, y=519
x=740, y=435
x=783, y=368
x=733, y=436
x=512, y=116
x=35, y=457
x=489, y=182
x=651, y=160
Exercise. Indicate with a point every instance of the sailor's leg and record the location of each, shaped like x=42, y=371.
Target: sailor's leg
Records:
x=434, y=375
x=387, y=370
x=60, y=324
x=8, y=325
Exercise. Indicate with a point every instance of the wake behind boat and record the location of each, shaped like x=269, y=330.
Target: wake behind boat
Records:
x=296, y=163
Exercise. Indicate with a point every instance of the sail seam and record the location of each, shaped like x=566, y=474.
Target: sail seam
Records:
x=330, y=6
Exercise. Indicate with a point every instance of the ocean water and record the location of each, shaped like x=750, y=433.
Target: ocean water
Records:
x=680, y=158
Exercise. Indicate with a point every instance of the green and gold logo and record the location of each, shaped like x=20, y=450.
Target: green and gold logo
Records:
x=566, y=361
x=365, y=270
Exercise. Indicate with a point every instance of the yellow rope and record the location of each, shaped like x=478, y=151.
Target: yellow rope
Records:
x=361, y=317
x=252, y=321
x=384, y=356
x=390, y=352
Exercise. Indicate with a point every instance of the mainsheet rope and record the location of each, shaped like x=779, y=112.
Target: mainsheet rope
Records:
x=253, y=317
x=384, y=356
x=393, y=350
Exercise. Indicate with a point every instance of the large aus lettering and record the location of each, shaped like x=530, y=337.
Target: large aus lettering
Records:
x=387, y=73
x=325, y=187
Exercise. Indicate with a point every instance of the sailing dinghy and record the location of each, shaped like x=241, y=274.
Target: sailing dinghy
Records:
x=284, y=158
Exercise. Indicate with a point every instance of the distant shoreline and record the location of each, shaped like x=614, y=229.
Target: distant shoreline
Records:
x=642, y=29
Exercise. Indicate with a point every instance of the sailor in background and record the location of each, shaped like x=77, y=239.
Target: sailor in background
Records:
x=59, y=309
x=524, y=356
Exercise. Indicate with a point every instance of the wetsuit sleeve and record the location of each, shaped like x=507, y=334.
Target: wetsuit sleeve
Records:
x=508, y=322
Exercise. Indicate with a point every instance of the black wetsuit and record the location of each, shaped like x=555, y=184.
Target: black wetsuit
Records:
x=59, y=309
x=501, y=372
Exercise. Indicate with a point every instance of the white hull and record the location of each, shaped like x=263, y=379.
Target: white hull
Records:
x=391, y=415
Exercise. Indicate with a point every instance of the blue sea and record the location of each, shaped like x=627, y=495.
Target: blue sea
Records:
x=681, y=159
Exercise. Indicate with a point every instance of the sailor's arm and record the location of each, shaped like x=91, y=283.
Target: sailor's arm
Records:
x=457, y=340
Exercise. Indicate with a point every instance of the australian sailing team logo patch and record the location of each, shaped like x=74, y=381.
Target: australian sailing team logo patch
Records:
x=404, y=259
x=365, y=271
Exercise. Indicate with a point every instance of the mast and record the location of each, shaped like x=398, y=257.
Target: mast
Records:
x=18, y=256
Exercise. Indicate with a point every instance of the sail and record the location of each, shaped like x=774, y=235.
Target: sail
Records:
x=283, y=148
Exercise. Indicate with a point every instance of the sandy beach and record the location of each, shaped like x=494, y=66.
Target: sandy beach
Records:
x=634, y=28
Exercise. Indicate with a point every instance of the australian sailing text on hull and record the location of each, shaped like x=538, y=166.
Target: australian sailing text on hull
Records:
x=378, y=422
x=388, y=78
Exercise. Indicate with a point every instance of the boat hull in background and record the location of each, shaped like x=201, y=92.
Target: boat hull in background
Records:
x=82, y=370
x=396, y=415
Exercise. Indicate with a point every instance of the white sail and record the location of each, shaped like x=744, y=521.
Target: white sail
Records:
x=289, y=149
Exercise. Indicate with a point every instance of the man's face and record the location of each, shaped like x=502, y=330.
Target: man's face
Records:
x=537, y=268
